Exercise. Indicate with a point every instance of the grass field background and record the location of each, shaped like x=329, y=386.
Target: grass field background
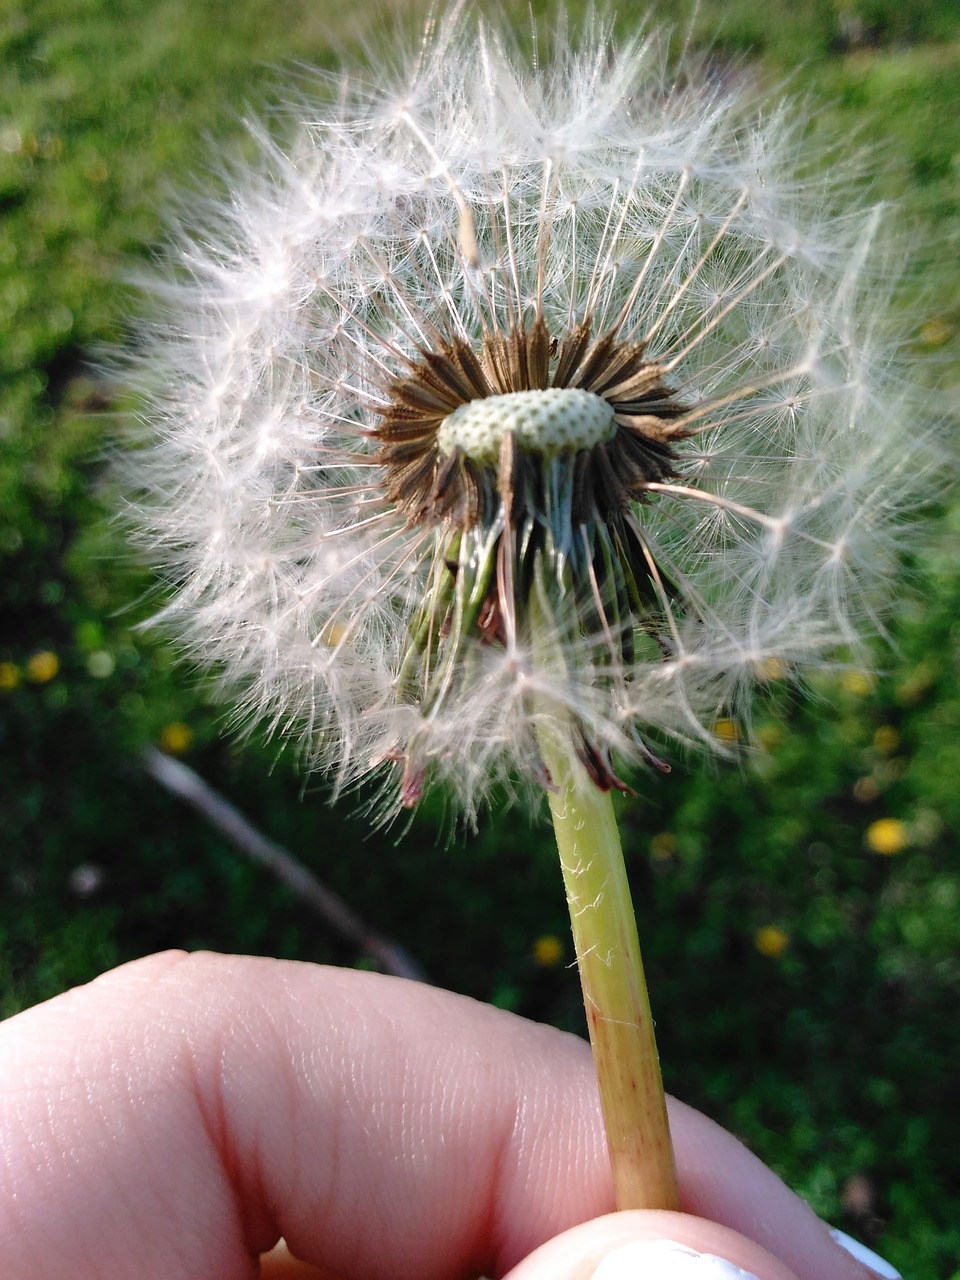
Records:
x=803, y=960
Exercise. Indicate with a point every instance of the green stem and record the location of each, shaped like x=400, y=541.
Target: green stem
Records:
x=611, y=974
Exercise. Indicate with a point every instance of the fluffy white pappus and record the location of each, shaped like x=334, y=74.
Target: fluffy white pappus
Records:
x=485, y=225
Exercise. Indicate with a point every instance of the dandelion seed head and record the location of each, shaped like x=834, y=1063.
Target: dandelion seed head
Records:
x=505, y=392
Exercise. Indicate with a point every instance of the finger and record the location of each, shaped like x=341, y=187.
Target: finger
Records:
x=614, y=1239
x=652, y=1245
x=185, y=1111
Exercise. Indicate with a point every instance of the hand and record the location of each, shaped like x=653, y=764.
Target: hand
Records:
x=174, y=1118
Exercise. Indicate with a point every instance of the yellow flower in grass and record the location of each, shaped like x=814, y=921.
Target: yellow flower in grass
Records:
x=771, y=941
x=176, y=738
x=9, y=676
x=772, y=668
x=728, y=731
x=42, y=667
x=860, y=683
x=887, y=836
x=548, y=951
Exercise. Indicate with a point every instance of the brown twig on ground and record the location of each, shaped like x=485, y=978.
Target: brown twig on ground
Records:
x=182, y=781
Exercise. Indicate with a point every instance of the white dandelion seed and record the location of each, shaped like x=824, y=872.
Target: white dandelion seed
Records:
x=507, y=393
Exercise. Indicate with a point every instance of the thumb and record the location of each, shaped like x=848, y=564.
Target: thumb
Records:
x=650, y=1245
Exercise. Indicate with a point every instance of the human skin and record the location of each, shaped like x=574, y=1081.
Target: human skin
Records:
x=174, y=1118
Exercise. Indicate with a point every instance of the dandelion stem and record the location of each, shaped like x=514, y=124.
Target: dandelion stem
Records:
x=614, y=987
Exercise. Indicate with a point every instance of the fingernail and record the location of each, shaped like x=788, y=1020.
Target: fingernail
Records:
x=865, y=1255
x=665, y=1260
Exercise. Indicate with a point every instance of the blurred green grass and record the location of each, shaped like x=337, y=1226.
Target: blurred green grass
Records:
x=805, y=984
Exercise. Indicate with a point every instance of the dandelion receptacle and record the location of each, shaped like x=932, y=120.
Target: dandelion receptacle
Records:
x=506, y=421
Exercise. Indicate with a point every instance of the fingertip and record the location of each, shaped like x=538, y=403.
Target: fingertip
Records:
x=653, y=1245
x=864, y=1255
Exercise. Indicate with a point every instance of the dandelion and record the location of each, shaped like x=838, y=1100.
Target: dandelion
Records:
x=508, y=424
x=176, y=738
x=10, y=676
x=772, y=941
x=547, y=951
x=887, y=836
x=43, y=667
